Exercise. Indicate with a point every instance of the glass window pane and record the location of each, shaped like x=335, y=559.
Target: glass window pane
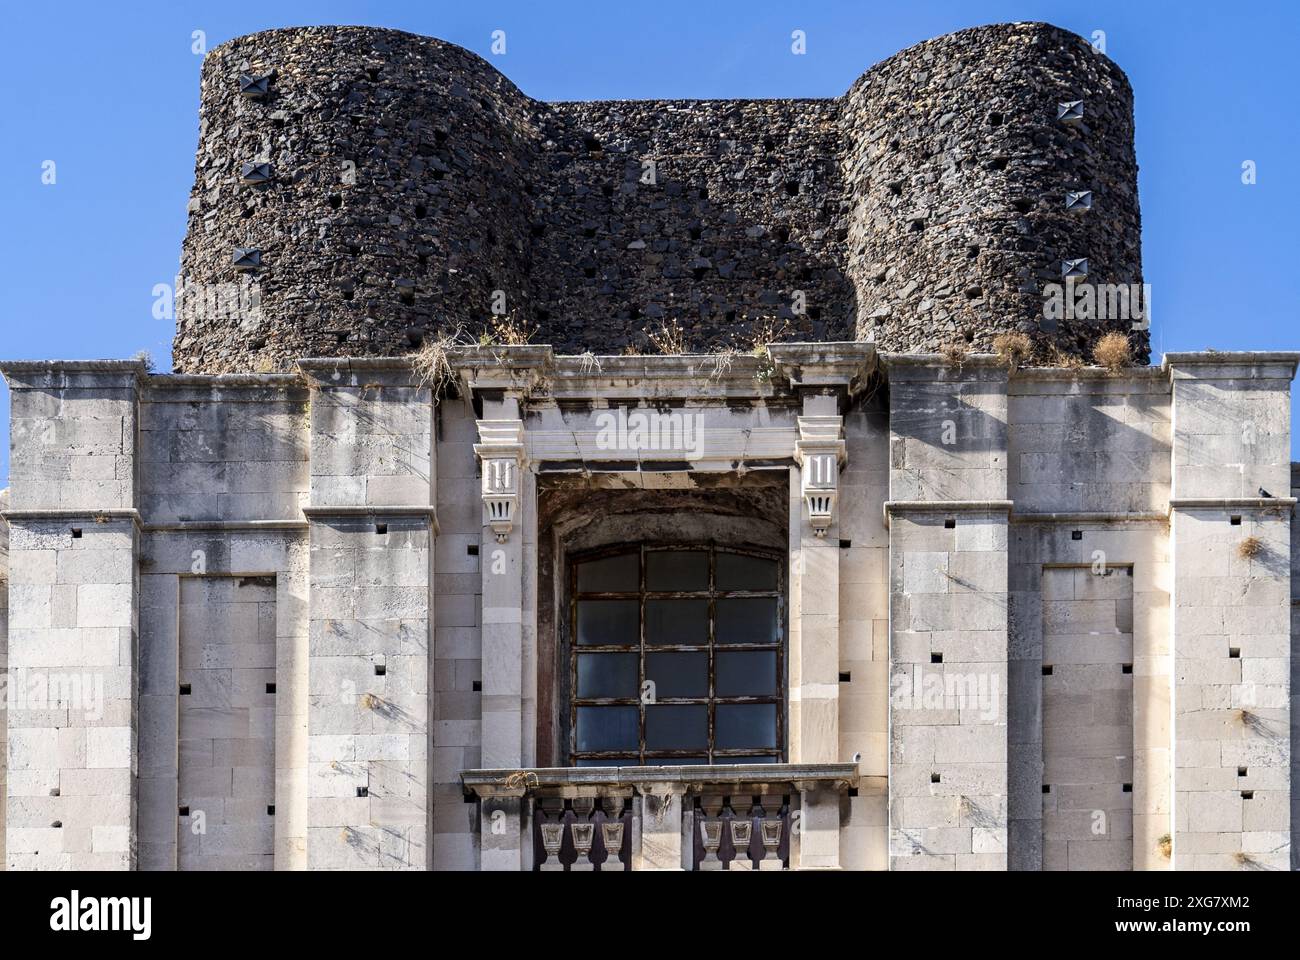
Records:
x=608, y=622
x=746, y=620
x=682, y=622
x=609, y=762
x=676, y=761
x=607, y=728
x=736, y=571
x=621, y=574
x=745, y=725
x=676, y=570
x=676, y=726
x=607, y=675
x=747, y=674
x=678, y=674
x=762, y=758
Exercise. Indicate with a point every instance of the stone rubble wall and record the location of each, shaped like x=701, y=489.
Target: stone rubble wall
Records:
x=414, y=189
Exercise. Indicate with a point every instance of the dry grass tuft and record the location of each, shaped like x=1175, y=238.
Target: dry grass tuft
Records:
x=1113, y=351
x=1250, y=548
x=431, y=362
x=506, y=332
x=669, y=339
x=1166, y=845
x=1013, y=349
x=954, y=354
x=1066, y=361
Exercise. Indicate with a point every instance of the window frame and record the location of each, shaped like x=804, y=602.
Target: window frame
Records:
x=711, y=754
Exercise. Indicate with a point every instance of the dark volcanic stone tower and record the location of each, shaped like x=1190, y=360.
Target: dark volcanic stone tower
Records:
x=380, y=187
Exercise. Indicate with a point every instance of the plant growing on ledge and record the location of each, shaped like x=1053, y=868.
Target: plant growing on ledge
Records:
x=431, y=364
x=762, y=335
x=669, y=339
x=1113, y=351
x=954, y=354
x=1014, y=349
x=506, y=332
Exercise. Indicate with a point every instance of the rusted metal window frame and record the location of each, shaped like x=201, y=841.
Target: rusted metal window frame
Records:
x=641, y=648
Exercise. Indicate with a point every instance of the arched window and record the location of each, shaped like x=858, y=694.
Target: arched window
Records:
x=676, y=656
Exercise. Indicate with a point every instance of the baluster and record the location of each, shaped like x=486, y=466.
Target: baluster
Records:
x=550, y=824
x=742, y=832
x=611, y=835
x=707, y=810
x=770, y=834
x=584, y=834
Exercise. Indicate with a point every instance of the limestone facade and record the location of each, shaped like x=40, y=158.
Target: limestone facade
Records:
x=1029, y=619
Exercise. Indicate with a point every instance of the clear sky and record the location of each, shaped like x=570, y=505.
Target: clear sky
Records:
x=109, y=93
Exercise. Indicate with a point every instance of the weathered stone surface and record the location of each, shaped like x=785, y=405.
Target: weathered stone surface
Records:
x=415, y=188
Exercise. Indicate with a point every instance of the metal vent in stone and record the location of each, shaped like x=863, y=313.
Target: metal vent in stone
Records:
x=1074, y=269
x=254, y=86
x=253, y=172
x=246, y=258
x=1078, y=201
x=1070, y=112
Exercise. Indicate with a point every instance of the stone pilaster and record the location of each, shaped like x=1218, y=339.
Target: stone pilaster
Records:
x=74, y=609
x=371, y=549
x=501, y=560
x=815, y=584
x=1230, y=518
x=948, y=615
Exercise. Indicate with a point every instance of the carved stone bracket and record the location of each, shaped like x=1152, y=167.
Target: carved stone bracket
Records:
x=820, y=452
x=501, y=452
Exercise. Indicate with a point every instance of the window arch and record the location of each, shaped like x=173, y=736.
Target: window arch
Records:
x=676, y=656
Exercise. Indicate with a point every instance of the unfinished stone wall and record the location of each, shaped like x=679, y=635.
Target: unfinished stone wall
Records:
x=409, y=187
x=226, y=741
x=1087, y=722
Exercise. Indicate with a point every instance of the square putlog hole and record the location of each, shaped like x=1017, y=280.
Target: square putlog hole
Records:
x=1076, y=534
x=950, y=523
x=1234, y=653
x=76, y=533
x=936, y=658
x=380, y=670
x=1241, y=771
x=363, y=791
x=1248, y=794
x=270, y=688
x=936, y=778
x=185, y=690
x=846, y=678
x=1047, y=669
x=1126, y=668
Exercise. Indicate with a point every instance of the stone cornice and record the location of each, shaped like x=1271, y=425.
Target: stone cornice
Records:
x=1214, y=364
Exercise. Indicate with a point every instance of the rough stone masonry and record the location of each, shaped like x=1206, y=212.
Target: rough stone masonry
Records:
x=394, y=186
x=310, y=604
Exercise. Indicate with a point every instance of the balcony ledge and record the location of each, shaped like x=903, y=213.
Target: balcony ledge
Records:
x=622, y=781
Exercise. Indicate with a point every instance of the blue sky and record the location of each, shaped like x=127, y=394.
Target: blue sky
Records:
x=109, y=92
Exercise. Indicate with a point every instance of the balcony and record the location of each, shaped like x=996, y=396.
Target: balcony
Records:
x=723, y=817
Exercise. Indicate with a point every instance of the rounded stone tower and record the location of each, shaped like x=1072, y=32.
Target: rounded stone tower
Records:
x=357, y=190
